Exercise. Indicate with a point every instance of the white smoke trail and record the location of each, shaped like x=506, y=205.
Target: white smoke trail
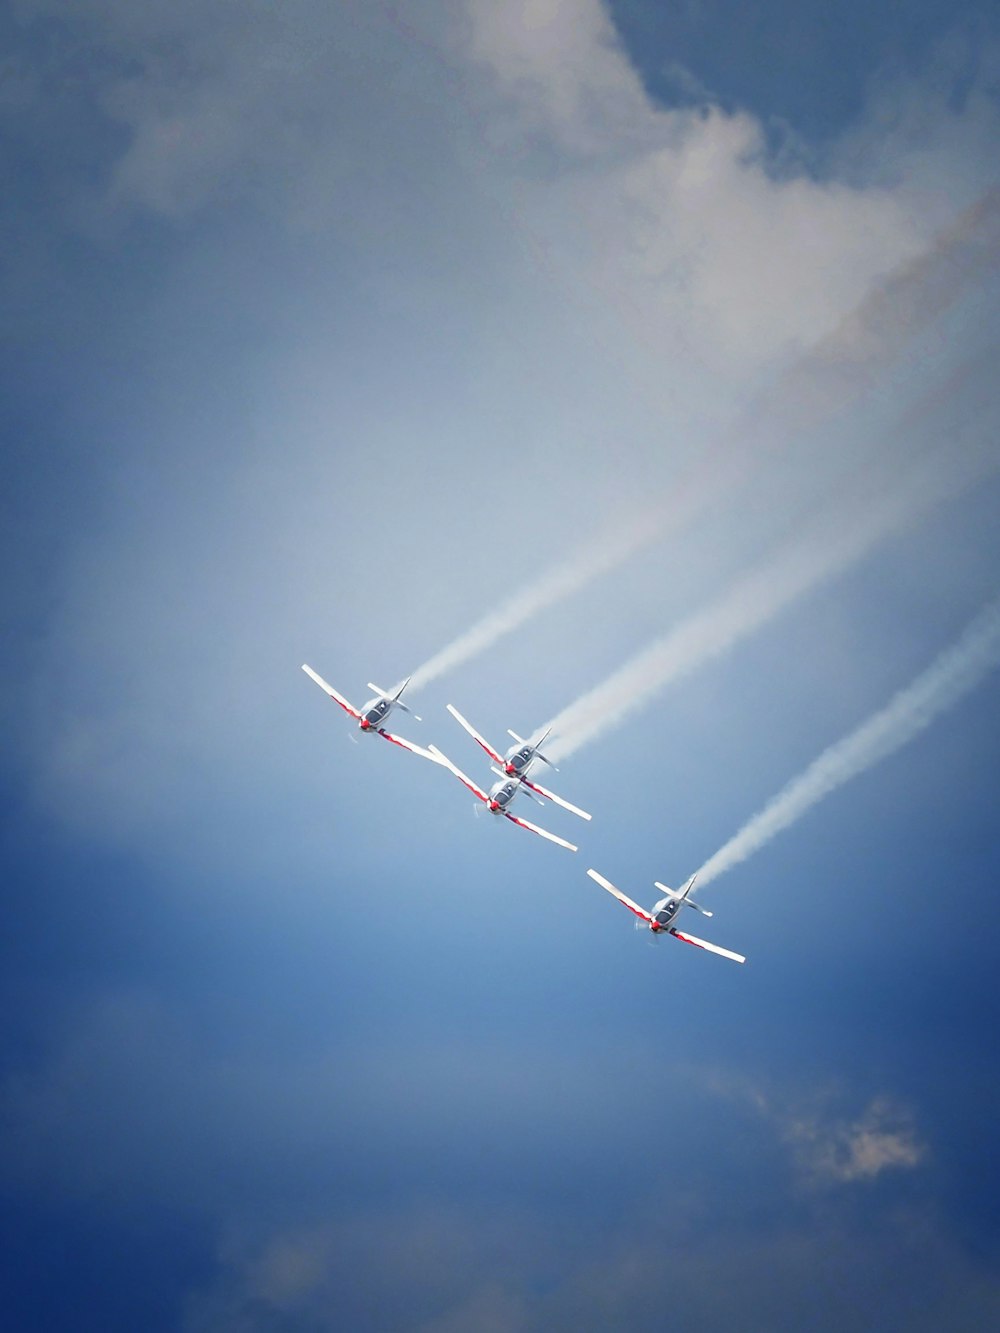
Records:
x=836, y=371
x=561, y=581
x=760, y=595
x=948, y=679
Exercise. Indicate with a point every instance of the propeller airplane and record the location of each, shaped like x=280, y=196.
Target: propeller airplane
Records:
x=661, y=919
x=375, y=713
x=499, y=798
x=517, y=761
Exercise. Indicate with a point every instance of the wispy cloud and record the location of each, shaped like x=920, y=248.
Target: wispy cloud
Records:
x=882, y=1138
x=828, y=1146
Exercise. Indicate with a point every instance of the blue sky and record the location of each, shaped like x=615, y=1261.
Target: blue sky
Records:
x=327, y=330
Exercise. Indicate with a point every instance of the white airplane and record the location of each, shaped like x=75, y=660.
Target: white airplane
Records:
x=518, y=759
x=375, y=712
x=660, y=919
x=499, y=797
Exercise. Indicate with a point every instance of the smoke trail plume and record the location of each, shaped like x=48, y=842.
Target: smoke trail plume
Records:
x=845, y=533
x=560, y=581
x=827, y=379
x=953, y=675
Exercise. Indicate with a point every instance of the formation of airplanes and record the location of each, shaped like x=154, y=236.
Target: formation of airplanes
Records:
x=512, y=769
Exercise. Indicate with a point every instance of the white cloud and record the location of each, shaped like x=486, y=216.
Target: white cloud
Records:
x=674, y=214
x=671, y=217
x=883, y=1137
x=827, y=1146
x=564, y=70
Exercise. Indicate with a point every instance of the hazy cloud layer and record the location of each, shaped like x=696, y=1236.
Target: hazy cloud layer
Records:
x=674, y=216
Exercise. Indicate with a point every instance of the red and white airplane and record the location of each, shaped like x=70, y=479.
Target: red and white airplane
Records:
x=660, y=919
x=518, y=759
x=375, y=712
x=498, y=798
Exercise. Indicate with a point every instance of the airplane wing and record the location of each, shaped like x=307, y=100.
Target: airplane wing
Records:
x=622, y=898
x=443, y=759
x=498, y=758
x=551, y=796
x=542, y=833
x=408, y=745
x=704, y=944
x=337, y=698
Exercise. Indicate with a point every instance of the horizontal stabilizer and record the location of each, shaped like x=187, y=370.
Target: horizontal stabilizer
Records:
x=688, y=902
x=393, y=696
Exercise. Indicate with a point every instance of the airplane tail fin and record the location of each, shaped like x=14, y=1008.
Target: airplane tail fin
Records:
x=394, y=697
x=683, y=895
x=538, y=753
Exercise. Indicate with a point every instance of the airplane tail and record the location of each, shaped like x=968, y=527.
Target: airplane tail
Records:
x=683, y=895
x=538, y=753
x=394, y=698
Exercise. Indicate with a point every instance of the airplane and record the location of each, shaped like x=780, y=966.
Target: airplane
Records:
x=518, y=759
x=375, y=712
x=499, y=797
x=660, y=919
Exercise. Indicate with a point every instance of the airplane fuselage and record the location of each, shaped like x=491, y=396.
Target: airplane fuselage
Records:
x=518, y=759
x=663, y=915
x=501, y=795
x=375, y=714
